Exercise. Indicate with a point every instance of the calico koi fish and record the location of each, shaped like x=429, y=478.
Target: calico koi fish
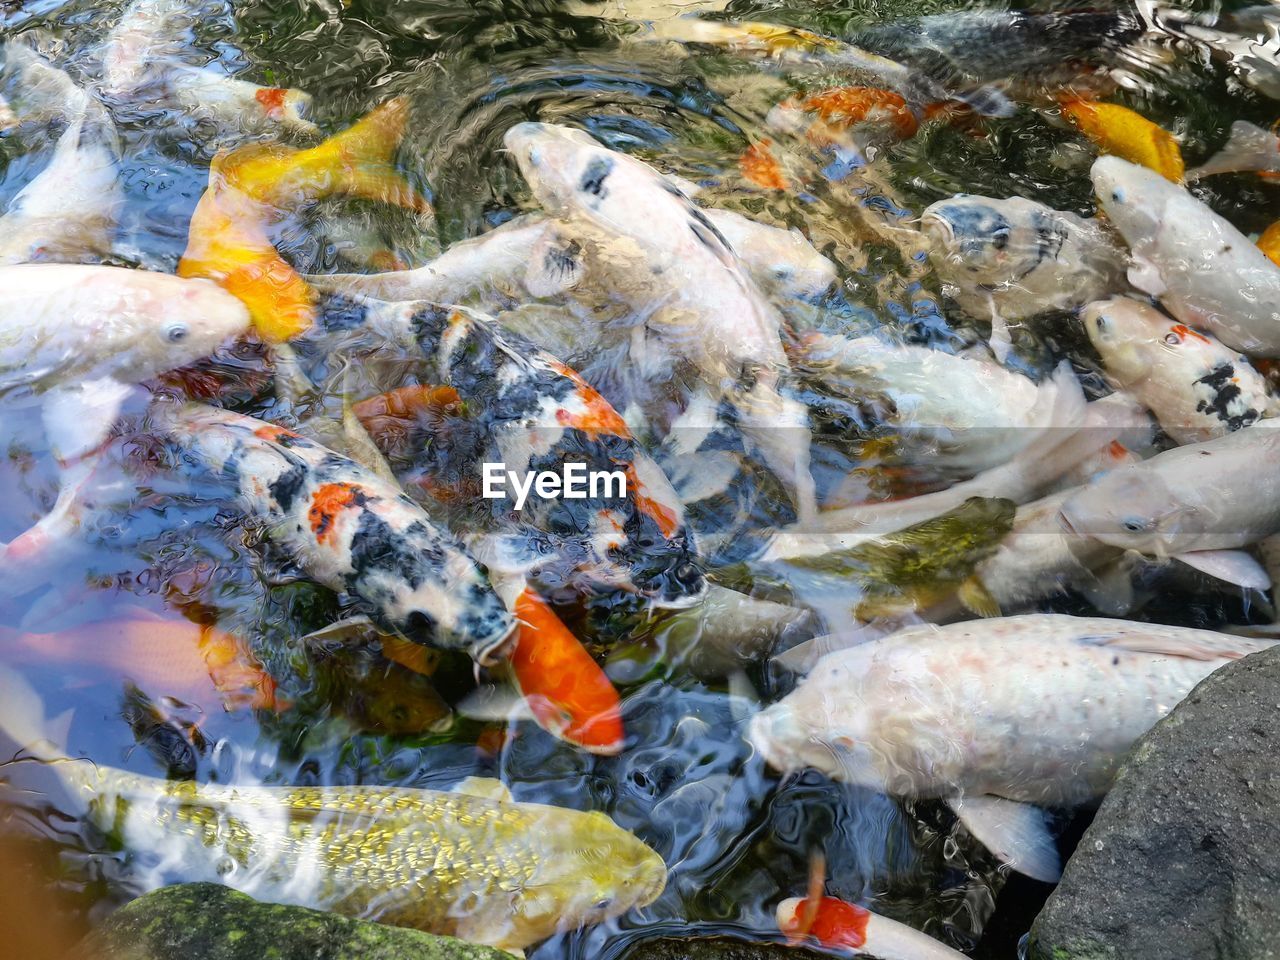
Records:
x=524, y=409
x=353, y=532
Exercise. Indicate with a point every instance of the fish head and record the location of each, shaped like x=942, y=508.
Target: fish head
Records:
x=1127, y=335
x=1132, y=509
x=803, y=731
x=565, y=168
x=795, y=267
x=590, y=870
x=1132, y=197
x=984, y=240
x=168, y=322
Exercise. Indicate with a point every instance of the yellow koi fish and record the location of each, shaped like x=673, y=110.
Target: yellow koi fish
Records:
x=1123, y=133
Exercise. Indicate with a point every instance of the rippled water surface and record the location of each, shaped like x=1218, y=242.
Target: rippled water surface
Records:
x=736, y=837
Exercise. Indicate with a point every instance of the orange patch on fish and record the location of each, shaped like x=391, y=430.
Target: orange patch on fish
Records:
x=569, y=694
x=1186, y=333
x=597, y=417
x=835, y=924
x=389, y=417
x=168, y=655
x=665, y=517
x=410, y=655
x=1123, y=133
x=272, y=100
x=1117, y=450
x=1269, y=243
x=842, y=107
x=758, y=166
x=327, y=503
x=275, y=434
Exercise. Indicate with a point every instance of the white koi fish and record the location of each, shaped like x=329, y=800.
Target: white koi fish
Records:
x=996, y=717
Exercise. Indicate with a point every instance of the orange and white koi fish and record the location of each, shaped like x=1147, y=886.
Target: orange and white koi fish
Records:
x=565, y=688
x=1122, y=132
x=252, y=190
x=168, y=655
x=847, y=928
x=1249, y=149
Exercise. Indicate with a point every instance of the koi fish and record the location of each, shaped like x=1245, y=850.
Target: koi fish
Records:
x=1197, y=388
x=1229, y=287
x=1198, y=503
x=1121, y=132
x=1249, y=149
x=354, y=533
x=471, y=863
x=568, y=693
x=711, y=313
x=167, y=655
x=1003, y=260
x=847, y=928
x=1047, y=707
x=528, y=411
x=1269, y=243
x=253, y=188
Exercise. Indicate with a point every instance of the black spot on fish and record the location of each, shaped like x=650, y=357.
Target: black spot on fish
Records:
x=1225, y=393
x=286, y=487
x=563, y=261
x=597, y=172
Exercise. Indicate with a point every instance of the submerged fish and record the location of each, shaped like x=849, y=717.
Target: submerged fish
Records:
x=992, y=716
x=966, y=414
x=1011, y=259
x=1121, y=132
x=521, y=408
x=354, y=532
x=68, y=212
x=166, y=655
x=1197, y=388
x=1202, y=269
x=466, y=864
x=73, y=339
x=1249, y=149
x=845, y=927
x=1198, y=503
x=904, y=571
x=695, y=296
x=251, y=190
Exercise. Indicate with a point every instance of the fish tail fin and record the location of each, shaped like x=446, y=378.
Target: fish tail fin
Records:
x=1247, y=148
x=361, y=158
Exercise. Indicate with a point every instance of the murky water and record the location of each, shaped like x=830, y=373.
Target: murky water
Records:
x=735, y=837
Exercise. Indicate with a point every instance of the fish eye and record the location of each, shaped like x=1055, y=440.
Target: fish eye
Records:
x=1000, y=239
x=604, y=904
x=1101, y=322
x=1134, y=524
x=1172, y=339
x=176, y=332
x=1117, y=195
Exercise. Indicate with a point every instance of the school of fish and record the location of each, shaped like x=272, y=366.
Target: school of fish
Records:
x=636, y=393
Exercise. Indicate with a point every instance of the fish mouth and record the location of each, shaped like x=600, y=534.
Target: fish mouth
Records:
x=1065, y=522
x=498, y=651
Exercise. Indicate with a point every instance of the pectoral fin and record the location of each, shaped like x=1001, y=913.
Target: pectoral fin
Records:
x=555, y=264
x=1015, y=832
x=78, y=418
x=489, y=788
x=976, y=599
x=1232, y=566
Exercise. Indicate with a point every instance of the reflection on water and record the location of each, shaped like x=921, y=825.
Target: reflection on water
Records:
x=167, y=584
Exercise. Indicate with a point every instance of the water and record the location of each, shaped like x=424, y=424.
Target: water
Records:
x=736, y=837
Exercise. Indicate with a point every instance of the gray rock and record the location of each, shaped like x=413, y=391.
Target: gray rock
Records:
x=1182, y=861
x=205, y=921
